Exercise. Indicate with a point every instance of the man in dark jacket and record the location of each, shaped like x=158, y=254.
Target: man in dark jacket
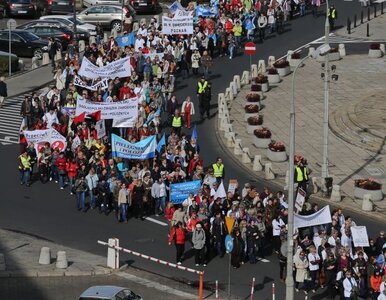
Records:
x=3, y=91
x=218, y=233
x=53, y=47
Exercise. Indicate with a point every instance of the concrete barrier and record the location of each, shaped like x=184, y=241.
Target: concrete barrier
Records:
x=231, y=140
x=257, y=166
x=21, y=65
x=221, y=98
x=271, y=61
x=261, y=68
x=3, y=266
x=92, y=40
x=289, y=55
x=105, y=37
x=269, y=175
x=245, y=78
x=45, y=59
x=382, y=48
x=58, y=57
x=311, y=50
x=335, y=193
x=228, y=128
x=254, y=71
x=61, y=260
x=367, y=204
x=342, y=50
x=238, y=150
x=35, y=63
x=82, y=46
x=113, y=254
x=228, y=95
x=45, y=256
x=316, y=184
x=246, y=157
x=237, y=81
x=233, y=88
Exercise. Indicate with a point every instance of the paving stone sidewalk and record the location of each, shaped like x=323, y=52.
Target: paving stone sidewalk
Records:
x=361, y=83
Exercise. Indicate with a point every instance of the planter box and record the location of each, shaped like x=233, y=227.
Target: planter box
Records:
x=264, y=87
x=375, y=53
x=294, y=62
x=247, y=115
x=284, y=71
x=273, y=78
x=261, y=143
x=276, y=156
x=376, y=195
x=252, y=128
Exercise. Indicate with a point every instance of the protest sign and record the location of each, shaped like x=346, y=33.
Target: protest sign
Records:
x=233, y=184
x=153, y=55
x=359, y=236
x=300, y=198
x=127, y=109
x=180, y=191
x=124, y=123
x=220, y=192
x=100, y=129
x=118, y=68
x=103, y=84
x=143, y=149
x=322, y=216
x=183, y=13
x=75, y=143
x=40, y=137
x=177, y=25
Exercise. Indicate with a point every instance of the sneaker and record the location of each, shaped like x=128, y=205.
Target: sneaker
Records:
x=62, y=188
x=297, y=290
x=314, y=291
x=179, y=263
x=305, y=292
x=204, y=265
x=50, y=178
x=56, y=181
x=157, y=215
x=197, y=265
x=71, y=193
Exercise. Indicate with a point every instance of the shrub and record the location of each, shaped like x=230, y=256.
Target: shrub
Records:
x=255, y=88
x=368, y=184
x=253, y=97
x=261, y=79
x=295, y=55
x=281, y=64
x=276, y=146
x=263, y=133
x=251, y=108
x=272, y=71
x=334, y=50
x=258, y=120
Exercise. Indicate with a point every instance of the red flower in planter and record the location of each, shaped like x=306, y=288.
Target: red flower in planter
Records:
x=334, y=50
x=272, y=71
x=375, y=46
x=276, y=146
x=253, y=97
x=281, y=64
x=258, y=120
x=295, y=55
x=251, y=108
x=368, y=184
x=261, y=79
x=255, y=88
x=263, y=133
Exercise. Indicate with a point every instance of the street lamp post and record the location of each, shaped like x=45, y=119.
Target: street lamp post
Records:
x=291, y=193
x=325, y=173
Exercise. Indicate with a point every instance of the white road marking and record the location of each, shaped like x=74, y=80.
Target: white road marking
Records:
x=156, y=285
x=156, y=221
x=264, y=260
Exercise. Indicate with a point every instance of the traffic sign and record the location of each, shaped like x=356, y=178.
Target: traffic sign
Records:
x=228, y=243
x=250, y=48
x=229, y=222
x=11, y=24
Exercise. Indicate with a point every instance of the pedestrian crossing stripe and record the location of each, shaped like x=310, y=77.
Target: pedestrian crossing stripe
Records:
x=336, y=39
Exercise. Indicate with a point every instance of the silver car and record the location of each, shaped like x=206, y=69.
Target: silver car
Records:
x=68, y=20
x=109, y=16
x=109, y=292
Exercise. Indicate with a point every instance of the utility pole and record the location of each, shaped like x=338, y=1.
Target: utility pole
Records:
x=75, y=30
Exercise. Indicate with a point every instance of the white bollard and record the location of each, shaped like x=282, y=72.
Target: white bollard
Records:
x=113, y=254
x=237, y=81
x=21, y=65
x=367, y=204
x=233, y=88
x=245, y=159
x=268, y=171
x=311, y=51
x=92, y=40
x=105, y=37
x=257, y=166
x=342, y=50
x=228, y=94
x=238, y=149
x=245, y=78
x=271, y=61
x=261, y=69
x=335, y=193
x=254, y=71
x=35, y=63
x=228, y=128
x=45, y=256
x=382, y=48
x=82, y=46
x=221, y=97
x=289, y=55
x=61, y=260
x=45, y=59
x=58, y=56
x=3, y=266
x=231, y=140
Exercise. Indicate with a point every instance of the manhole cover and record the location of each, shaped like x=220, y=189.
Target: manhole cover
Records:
x=374, y=171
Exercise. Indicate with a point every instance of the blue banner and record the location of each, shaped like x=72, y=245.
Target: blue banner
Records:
x=180, y=191
x=144, y=149
x=207, y=11
x=126, y=40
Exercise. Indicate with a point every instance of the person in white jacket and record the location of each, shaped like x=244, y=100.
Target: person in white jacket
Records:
x=349, y=283
x=187, y=111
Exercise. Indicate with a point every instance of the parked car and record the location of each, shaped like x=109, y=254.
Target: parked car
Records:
x=144, y=6
x=46, y=29
x=109, y=16
x=32, y=8
x=4, y=63
x=109, y=292
x=68, y=20
x=61, y=6
x=23, y=43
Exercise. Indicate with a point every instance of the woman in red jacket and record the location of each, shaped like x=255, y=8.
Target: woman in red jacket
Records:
x=178, y=235
x=375, y=282
x=72, y=171
x=61, y=163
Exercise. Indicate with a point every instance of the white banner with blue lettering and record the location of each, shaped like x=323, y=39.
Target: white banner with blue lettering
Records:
x=180, y=191
x=144, y=149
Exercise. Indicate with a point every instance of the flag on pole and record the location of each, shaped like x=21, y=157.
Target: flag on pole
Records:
x=162, y=142
x=79, y=119
x=220, y=192
x=195, y=136
x=96, y=115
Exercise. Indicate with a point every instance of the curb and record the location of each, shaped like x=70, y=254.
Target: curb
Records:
x=53, y=273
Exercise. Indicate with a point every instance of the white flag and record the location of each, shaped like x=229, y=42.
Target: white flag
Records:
x=322, y=216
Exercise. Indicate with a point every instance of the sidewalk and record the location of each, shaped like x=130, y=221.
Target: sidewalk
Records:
x=357, y=123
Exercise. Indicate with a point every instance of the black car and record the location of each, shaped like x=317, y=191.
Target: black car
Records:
x=60, y=32
x=30, y=8
x=61, y=6
x=144, y=6
x=24, y=43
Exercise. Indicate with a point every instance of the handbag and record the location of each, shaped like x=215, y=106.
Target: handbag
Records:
x=354, y=291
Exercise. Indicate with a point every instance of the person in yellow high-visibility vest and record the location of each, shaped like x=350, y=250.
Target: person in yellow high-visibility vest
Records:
x=302, y=175
x=332, y=16
x=177, y=122
x=25, y=168
x=219, y=171
x=202, y=85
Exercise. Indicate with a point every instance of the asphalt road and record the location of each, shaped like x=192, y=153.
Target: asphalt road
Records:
x=48, y=212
